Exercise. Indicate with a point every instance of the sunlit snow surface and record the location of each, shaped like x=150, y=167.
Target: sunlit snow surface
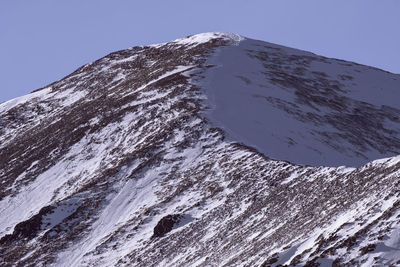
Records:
x=136, y=136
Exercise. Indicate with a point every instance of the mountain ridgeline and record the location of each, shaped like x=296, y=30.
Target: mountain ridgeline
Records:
x=210, y=150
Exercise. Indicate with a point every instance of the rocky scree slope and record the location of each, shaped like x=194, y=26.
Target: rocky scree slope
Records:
x=127, y=162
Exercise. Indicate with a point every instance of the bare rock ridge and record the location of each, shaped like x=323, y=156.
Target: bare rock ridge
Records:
x=210, y=150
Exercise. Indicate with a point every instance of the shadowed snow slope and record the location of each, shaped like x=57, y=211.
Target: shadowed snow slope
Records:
x=151, y=156
x=296, y=106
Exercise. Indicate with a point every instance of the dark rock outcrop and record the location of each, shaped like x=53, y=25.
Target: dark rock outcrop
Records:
x=27, y=229
x=166, y=224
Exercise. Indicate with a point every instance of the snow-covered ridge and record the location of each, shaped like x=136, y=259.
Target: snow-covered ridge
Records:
x=196, y=39
x=206, y=37
x=7, y=105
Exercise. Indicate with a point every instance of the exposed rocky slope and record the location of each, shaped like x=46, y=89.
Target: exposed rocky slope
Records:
x=135, y=160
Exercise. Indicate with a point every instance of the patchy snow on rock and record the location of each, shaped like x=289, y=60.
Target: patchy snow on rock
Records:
x=5, y=106
x=192, y=153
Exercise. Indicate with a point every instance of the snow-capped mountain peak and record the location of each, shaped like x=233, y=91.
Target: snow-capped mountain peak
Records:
x=192, y=153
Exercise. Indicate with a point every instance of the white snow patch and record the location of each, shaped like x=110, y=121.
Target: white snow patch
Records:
x=292, y=176
x=206, y=37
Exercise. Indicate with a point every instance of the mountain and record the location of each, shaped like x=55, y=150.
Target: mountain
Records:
x=210, y=150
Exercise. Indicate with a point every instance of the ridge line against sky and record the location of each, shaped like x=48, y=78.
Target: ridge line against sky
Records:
x=43, y=41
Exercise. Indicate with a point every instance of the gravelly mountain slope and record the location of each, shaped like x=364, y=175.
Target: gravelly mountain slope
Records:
x=135, y=160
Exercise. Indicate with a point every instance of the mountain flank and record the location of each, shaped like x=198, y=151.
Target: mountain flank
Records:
x=210, y=150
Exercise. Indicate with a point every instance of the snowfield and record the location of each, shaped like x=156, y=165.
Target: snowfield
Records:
x=297, y=106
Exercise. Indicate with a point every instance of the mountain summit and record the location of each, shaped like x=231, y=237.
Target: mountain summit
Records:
x=210, y=150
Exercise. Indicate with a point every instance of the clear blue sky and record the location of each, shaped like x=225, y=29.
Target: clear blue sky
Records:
x=44, y=40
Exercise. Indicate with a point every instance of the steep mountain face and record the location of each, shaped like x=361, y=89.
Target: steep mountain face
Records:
x=296, y=106
x=192, y=153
